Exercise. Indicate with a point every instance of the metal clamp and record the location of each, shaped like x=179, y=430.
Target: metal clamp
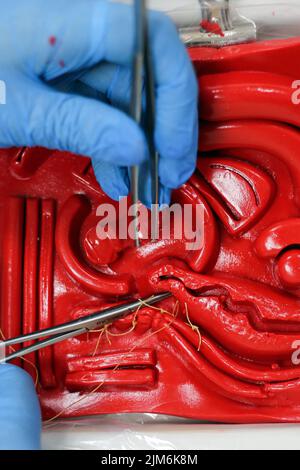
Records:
x=221, y=26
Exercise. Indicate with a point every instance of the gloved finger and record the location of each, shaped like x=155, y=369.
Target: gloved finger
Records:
x=113, y=81
x=113, y=179
x=174, y=172
x=71, y=123
x=111, y=39
x=20, y=417
x=177, y=140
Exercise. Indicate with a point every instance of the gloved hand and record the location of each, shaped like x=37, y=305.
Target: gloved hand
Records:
x=53, y=51
x=20, y=420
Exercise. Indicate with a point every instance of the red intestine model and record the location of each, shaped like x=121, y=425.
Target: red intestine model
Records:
x=224, y=347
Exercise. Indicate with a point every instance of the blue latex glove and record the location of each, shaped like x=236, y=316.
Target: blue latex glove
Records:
x=46, y=48
x=20, y=420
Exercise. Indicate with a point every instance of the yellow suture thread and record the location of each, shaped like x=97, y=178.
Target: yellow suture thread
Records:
x=132, y=328
x=109, y=333
x=194, y=327
x=98, y=342
x=94, y=390
x=106, y=334
x=97, y=388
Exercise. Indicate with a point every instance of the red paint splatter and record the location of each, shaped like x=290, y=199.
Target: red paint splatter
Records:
x=211, y=27
x=52, y=40
x=62, y=63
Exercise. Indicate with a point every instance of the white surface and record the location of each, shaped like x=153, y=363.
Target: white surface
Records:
x=274, y=18
x=146, y=433
x=183, y=12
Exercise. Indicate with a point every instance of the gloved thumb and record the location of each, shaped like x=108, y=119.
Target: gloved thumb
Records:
x=73, y=123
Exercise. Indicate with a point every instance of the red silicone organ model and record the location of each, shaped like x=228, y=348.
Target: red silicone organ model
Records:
x=224, y=347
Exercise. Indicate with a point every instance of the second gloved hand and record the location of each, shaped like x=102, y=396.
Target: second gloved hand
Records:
x=20, y=417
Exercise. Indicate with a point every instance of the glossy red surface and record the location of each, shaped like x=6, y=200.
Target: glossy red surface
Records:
x=228, y=354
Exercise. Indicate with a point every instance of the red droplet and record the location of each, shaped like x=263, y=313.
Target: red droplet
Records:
x=212, y=27
x=62, y=63
x=52, y=40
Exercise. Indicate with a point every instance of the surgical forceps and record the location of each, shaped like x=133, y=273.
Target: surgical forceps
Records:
x=75, y=328
x=142, y=65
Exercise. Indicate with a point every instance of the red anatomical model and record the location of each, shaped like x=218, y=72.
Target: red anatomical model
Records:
x=224, y=346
